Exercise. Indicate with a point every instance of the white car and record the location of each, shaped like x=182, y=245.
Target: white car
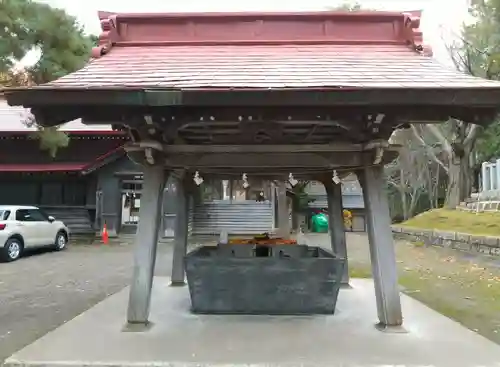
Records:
x=24, y=227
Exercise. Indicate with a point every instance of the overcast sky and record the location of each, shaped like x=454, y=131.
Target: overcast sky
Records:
x=438, y=14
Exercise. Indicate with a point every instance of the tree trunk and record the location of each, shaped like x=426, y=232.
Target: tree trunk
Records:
x=415, y=196
x=459, y=179
x=402, y=192
x=458, y=150
x=466, y=187
x=476, y=172
x=436, y=187
x=454, y=186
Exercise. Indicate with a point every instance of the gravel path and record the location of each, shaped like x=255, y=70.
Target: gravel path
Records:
x=42, y=291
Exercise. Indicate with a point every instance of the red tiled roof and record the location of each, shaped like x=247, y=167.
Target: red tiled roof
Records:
x=296, y=66
x=270, y=51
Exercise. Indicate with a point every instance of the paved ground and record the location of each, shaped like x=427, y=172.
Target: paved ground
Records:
x=178, y=338
x=40, y=292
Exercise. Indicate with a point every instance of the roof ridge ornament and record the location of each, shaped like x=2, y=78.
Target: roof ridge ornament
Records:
x=198, y=180
x=335, y=177
x=293, y=182
x=245, y=181
x=413, y=34
x=109, y=35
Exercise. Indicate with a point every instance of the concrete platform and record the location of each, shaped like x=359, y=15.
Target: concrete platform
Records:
x=178, y=338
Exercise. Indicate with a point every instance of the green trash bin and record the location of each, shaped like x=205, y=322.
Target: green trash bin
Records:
x=320, y=223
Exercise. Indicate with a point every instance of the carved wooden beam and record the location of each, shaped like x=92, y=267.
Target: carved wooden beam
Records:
x=262, y=149
x=263, y=158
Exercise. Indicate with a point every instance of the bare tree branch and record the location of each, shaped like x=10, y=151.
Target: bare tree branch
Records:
x=440, y=137
x=429, y=150
x=472, y=135
x=393, y=183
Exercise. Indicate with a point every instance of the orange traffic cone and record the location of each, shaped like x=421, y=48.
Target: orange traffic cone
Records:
x=105, y=238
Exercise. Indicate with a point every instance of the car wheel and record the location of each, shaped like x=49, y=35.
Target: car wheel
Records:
x=12, y=250
x=61, y=241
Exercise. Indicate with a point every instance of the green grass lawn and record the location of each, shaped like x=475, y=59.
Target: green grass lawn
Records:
x=457, y=221
x=464, y=289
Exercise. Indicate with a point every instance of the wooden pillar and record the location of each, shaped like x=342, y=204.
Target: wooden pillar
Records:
x=111, y=202
x=336, y=224
x=274, y=206
x=181, y=233
x=169, y=209
x=283, y=216
x=146, y=240
x=382, y=253
x=231, y=190
x=225, y=189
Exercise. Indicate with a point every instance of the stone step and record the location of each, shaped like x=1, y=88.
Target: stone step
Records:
x=481, y=206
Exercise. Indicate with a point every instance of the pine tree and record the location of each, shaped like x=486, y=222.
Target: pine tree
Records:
x=26, y=25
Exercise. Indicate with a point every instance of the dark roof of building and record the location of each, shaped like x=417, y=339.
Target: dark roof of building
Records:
x=83, y=154
x=49, y=167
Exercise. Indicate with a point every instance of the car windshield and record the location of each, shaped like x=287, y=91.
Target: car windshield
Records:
x=43, y=213
x=4, y=214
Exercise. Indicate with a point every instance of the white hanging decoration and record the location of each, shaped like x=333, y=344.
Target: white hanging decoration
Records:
x=198, y=180
x=292, y=180
x=335, y=178
x=244, y=177
x=301, y=237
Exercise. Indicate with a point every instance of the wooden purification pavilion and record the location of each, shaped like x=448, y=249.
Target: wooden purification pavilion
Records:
x=262, y=94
